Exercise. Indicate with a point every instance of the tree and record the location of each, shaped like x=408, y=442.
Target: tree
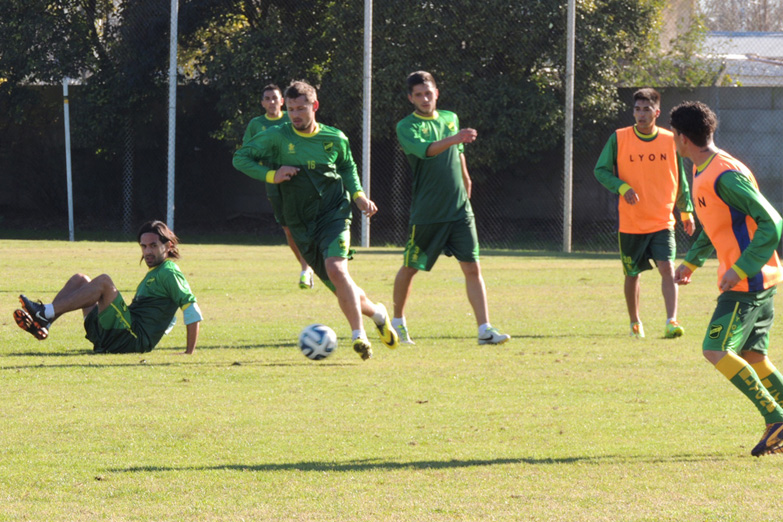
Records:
x=500, y=63
x=743, y=15
x=680, y=62
x=245, y=45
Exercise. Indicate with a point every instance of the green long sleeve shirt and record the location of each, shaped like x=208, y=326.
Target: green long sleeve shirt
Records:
x=739, y=193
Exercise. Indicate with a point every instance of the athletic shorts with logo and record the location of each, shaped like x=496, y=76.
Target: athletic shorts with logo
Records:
x=110, y=331
x=426, y=242
x=741, y=322
x=637, y=251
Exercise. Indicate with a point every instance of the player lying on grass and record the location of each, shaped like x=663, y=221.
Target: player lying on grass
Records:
x=741, y=225
x=313, y=166
x=111, y=325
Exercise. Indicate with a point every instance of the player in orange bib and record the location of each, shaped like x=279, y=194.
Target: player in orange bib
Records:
x=741, y=225
x=641, y=165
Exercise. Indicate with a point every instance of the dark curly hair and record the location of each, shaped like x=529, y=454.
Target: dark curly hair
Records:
x=165, y=234
x=695, y=120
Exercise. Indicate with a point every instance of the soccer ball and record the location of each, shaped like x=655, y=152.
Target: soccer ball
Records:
x=317, y=341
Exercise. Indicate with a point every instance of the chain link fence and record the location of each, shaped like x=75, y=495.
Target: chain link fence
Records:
x=119, y=119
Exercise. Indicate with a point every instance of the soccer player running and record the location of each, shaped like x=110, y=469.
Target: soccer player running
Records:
x=111, y=325
x=274, y=115
x=313, y=166
x=741, y=225
x=441, y=218
x=641, y=164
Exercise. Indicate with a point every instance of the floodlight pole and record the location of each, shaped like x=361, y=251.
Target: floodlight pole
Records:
x=367, y=115
x=568, y=160
x=68, y=173
x=172, y=112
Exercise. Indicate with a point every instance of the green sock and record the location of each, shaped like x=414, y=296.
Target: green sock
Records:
x=770, y=377
x=742, y=375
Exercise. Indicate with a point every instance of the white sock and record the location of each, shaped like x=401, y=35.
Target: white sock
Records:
x=670, y=319
x=356, y=334
x=398, y=321
x=379, y=317
x=49, y=311
x=483, y=328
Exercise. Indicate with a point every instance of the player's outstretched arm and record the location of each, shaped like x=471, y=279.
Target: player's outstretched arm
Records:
x=192, y=329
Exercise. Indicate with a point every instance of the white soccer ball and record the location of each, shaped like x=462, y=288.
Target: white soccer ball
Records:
x=317, y=341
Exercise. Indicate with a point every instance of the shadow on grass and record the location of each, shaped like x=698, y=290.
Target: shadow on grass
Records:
x=373, y=464
x=500, y=253
x=98, y=361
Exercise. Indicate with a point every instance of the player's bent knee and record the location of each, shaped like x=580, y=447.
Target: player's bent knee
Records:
x=713, y=356
x=105, y=281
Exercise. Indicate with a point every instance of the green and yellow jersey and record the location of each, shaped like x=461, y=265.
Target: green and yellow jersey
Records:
x=326, y=170
x=438, y=194
x=163, y=290
x=260, y=124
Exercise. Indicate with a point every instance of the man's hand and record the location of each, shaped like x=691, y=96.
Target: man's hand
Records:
x=729, y=280
x=631, y=197
x=367, y=206
x=466, y=135
x=682, y=276
x=689, y=226
x=285, y=173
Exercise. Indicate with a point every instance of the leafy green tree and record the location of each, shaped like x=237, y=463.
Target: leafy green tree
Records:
x=499, y=64
x=249, y=44
x=681, y=64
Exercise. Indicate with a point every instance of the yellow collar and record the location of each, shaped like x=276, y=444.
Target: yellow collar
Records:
x=433, y=117
x=310, y=135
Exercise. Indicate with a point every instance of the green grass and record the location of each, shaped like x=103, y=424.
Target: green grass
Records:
x=569, y=421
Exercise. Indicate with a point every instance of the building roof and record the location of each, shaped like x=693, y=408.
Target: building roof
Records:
x=751, y=59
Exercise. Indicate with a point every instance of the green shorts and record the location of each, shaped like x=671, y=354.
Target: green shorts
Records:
x=333, y=240
x=426, y=242
x=276, y=200
x=741, y=322
x=110, y=331
x=637, y=250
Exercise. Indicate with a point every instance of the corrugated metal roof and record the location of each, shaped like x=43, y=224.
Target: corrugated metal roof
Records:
x=752, y=59
x=768, y=45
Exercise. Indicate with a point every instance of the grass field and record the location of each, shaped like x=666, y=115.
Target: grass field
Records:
x=570, y=421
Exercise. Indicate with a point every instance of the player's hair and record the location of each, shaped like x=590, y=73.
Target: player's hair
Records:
x=165, y=234
x=418, y=78
x=648, y=94
x=271, y=87
x=695, y=120
x=301, y=88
